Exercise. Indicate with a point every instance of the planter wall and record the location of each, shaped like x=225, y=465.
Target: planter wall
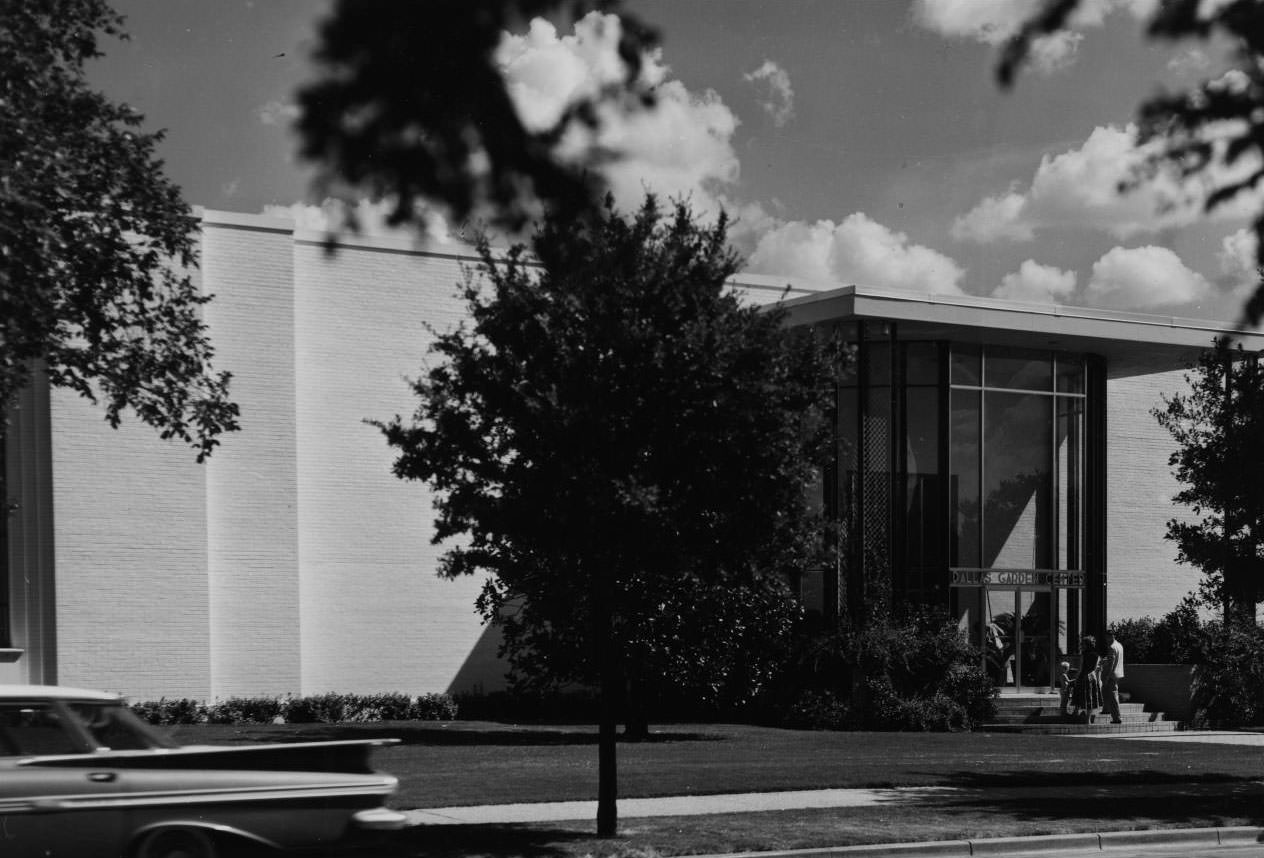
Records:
x=1162, y=687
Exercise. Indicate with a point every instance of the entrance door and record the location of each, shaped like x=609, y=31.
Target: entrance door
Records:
x=1017, y=641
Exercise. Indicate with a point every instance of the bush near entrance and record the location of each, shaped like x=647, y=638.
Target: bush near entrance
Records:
x=1228, y=660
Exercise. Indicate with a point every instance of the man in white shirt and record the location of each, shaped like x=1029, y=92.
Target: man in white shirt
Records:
x=1112, y=672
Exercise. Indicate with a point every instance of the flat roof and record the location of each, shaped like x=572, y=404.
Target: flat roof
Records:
x=1131, y=343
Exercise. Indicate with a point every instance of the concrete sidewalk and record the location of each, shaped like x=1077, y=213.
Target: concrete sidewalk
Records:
x=688, y=805
x=1239, y=842
x=756, y=802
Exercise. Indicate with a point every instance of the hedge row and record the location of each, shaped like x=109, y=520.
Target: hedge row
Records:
x=314, y=709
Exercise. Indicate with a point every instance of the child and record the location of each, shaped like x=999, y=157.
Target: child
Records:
x=1065, y=678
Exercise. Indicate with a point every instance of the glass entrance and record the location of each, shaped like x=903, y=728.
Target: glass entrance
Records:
x=1017, y=638
x=1023, y=621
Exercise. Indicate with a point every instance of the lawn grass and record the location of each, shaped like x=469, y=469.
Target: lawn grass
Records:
x=973, y=817
x=1007, y=784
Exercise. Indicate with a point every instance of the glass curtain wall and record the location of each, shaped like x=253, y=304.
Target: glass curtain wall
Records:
x=958, y=480
x=1016, y=506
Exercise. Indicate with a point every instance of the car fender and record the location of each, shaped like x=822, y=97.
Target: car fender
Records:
x=215, y=828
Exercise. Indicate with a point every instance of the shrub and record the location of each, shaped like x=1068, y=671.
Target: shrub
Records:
x=1137, y=638
x=928, y=714
x=970, y=687
x=910, y=672
x=817, y=710
x=246, y=710
x=1228, y=687
x=176, y=711
x=1180, y=637
x=328, y=708
x=433, y=707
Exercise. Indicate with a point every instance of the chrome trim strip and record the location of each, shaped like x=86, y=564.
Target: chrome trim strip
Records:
x=166, y=798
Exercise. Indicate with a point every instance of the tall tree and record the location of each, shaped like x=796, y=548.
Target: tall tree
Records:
x=1217, y=124
x=1218, y=427
x=95, y=243
x=625, y=447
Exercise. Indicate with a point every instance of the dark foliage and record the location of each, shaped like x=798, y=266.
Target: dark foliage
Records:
x=1216, y=124
x=410, y=104
x=623, y=442
x=1218, y=427
x=1228, y=687
x=1177, y=638
x=95, y=243
x=624, y=446
x=1228, y=659
x=908, y=672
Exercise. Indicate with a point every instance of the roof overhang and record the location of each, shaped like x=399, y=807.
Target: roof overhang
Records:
x=1131, y=343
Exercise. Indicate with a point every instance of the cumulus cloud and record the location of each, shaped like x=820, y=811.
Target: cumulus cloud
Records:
x=772, y=82
x=546, y=73
x=277, y=113
x=1143, y=278
x=1239, y=272
x=1043, y=284
x=999, y=217
x=1080, y=187
x=1237, y=254
x=1055, y=52
x=332, y=216
x=681, y=147
x=1189, y=62
x=995, y=21
x=856, y=251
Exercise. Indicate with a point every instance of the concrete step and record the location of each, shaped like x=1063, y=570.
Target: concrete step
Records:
x=1009, y=712
x=1054, y=703
x=1053, y=716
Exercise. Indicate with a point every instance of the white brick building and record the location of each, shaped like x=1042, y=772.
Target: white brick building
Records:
x=294, y=561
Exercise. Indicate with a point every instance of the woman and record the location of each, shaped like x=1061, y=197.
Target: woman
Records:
x=1086, y=693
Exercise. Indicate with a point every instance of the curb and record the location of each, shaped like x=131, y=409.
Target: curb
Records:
x=1240, y=836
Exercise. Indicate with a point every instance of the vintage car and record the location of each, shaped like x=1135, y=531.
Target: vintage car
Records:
x=82, y=776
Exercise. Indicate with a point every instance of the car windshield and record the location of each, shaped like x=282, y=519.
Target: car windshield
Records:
x=34, y=728
x=115, y=727
x=47, y=727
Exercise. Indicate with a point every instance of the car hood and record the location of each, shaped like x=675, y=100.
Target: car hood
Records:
x=350, y=756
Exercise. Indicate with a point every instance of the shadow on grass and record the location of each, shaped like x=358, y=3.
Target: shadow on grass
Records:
x=421, y=734
x=1121, y=800
x=1070, y=780
x=461, y=841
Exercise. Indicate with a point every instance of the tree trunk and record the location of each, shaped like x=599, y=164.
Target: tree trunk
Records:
x=611, y=691
x=607, y=771
x=1239, y=593
x=5, y=516
x=607, y=746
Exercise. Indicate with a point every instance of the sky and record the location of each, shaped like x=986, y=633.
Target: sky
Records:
x=863, y=141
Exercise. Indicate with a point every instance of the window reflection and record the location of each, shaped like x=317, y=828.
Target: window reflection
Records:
x=964, y=477
x=1017, y=444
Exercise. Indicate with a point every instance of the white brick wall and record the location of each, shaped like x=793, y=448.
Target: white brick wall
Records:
x=251, y=514
x=1143, y=576
x=374, y=614
x=130, y=546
